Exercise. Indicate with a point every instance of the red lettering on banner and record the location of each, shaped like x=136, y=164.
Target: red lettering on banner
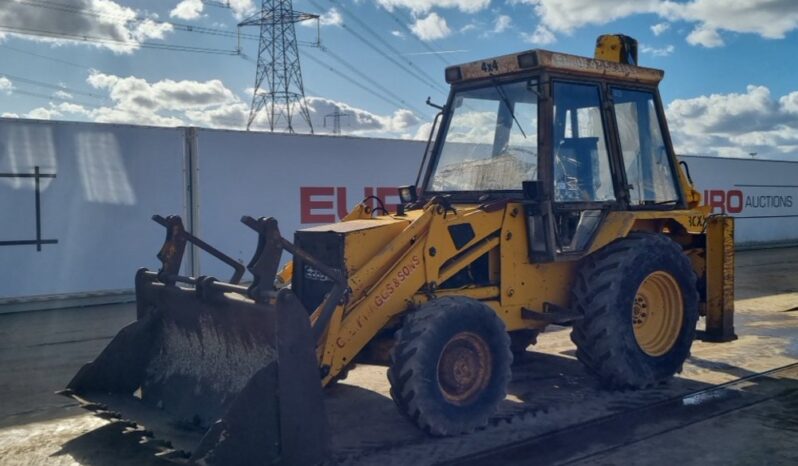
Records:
x=342, y=202
x=717, y=199
x=734, y=201
x=367, y=193
x=327, y=204
x=308, y=206
x=384, y=193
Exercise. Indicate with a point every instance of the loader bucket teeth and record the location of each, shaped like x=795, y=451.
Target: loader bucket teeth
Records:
x=209, y=371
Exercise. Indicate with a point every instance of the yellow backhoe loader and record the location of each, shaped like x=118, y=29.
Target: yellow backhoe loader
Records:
x=549, y=193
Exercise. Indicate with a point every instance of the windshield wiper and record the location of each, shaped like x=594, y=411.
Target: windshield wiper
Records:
x=509, y=107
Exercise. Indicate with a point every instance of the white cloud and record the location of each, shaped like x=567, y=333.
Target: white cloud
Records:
x=357, y=121
x=468, y=27
x=192, y=9
x=422, y=133
x=567, y=15
x=6, y=85
x=659, y=28
x=242, y=8
x=657, y=52
x=423, y=6
x=210, y=104
x=187, y=9
x=43, y=113
x=110, y=25
x=431, y=28
x=9, y=115
x=401, y=120
x=149, y=29
x=139, y=96
x=540, y=36
x=397, y=33
x=735, y=124
x=331, y=18
x=789, y=103
x=706, y=36
x=502, y=23
x=771, y=19
x=62, y=95
x=68, y=107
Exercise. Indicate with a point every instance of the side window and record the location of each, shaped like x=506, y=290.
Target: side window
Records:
x=645, y=158
x=581, y=159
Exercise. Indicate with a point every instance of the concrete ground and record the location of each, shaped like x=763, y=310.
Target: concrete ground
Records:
x=550, y=395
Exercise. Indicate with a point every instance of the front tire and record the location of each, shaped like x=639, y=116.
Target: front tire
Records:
x=450, y=366
x=639, y=299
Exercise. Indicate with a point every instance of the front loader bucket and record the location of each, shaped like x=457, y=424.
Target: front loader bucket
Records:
x=208, y=374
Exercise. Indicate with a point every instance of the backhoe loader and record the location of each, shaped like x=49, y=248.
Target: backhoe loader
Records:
x=549, y=193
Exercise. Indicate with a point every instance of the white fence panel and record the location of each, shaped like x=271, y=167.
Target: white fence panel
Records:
x=298, y=179
x=762, y=195
x=109, y=181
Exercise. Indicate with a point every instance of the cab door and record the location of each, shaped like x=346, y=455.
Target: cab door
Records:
x=582, y=169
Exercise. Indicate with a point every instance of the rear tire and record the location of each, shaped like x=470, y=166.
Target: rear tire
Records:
x=450, y=365
x=639, y=299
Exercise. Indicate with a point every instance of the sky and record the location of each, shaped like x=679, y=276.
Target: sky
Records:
x=730, y=65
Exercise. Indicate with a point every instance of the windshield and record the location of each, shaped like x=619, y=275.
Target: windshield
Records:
x=491, y=143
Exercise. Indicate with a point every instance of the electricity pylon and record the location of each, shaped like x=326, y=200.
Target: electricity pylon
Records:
x=282, y=94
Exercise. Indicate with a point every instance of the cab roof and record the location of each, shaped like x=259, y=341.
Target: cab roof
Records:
x=538, y=59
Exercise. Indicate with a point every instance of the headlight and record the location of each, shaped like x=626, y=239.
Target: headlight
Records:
x=407, y=194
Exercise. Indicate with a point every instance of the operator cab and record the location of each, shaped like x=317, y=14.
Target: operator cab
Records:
x=569, y=137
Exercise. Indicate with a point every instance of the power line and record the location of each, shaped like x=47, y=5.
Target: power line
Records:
x=391, y=101
x=385, y=43
x=71, y=9
x=394, y=99
x=428, y=81
x=353, y=69
x=50, y=97
x=47, y=57
x=351, y=81
x=410, y=33
x=57, y=87
x=103, y=40
x=216, y=4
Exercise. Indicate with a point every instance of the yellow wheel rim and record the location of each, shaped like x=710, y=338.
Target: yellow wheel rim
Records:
x=464, y=368
x=657, y=313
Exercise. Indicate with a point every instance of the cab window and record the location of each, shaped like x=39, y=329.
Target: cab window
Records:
x=491, y=143
x=645, y=157
x=581, y=159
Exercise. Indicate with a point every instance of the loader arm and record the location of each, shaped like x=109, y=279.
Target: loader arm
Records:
x=424, y=255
